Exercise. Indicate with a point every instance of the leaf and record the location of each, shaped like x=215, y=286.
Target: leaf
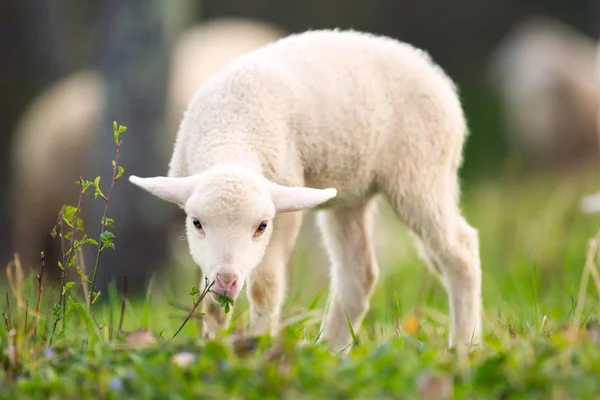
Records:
x=72, y=262
x=117, y=131
x=60, y=265
x=96, y=296
x=82, y=275
x=67, y=286
x=71, y=304
x=93, y=328
x=106, y=236
x=79, y=225
x=120, y=172
x=84, y=240
x=352, y=333
x=108, y=222
x=194, y=291
x=85, y=186
x=56, y=312
x=98, y=192
x=69, y=215
x=225, y=302
x=106, y=239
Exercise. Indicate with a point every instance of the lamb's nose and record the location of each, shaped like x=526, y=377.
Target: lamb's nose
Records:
x=226, y=280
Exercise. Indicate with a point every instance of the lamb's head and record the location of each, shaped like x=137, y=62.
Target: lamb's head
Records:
x=229, y=221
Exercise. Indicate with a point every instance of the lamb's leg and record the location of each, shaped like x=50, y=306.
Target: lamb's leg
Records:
x=266, y=286
x=347, y=233
x=451, y=248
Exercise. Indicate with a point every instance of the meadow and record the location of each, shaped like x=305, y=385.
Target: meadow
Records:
x=541, y=287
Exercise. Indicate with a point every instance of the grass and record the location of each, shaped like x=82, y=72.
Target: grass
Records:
x=540, y=293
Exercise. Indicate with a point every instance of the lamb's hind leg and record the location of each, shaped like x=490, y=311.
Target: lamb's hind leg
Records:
x=347, y=234
x=451, y=248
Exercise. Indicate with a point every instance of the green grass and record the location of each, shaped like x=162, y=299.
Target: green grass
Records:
x=533, y=248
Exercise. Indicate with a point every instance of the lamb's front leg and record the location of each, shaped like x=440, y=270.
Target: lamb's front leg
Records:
x=266, y=286
x=266, y=291
x=215, y=320
x=354, y=271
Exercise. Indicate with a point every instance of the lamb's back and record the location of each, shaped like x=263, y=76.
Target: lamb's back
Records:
x=324, y=104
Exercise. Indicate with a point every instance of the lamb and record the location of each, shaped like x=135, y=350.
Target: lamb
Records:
x=325, y=120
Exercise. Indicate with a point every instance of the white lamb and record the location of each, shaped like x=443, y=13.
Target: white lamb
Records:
x=324, y=120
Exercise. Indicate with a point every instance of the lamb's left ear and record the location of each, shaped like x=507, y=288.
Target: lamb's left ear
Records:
x=288, y=199
x=174, y=190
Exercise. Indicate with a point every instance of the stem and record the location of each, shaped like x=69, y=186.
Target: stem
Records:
x=26, y=315
x=70, y=254
x=202, y=295
x=123, y=305
x=103, y=220
x=8, y=310
x=53, y=331
x=39, y=297
x=64, y=266
x=6, y=322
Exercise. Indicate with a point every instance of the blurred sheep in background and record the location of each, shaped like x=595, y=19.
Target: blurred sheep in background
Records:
x=545, y=73
x=591, y=203
x=52, y=144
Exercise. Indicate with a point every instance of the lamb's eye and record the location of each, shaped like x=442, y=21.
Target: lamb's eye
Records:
x=261, y=228
x=197, y=224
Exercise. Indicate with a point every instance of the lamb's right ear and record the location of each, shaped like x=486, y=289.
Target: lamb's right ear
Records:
x=289, y=199
x=174, y=190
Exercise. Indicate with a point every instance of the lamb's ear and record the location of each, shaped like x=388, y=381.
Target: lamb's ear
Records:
x=288, y=199
x=174, y=190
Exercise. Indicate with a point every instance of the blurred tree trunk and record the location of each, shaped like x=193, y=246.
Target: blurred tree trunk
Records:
x=594, y=8
x=133, y=61
x=26, y=66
